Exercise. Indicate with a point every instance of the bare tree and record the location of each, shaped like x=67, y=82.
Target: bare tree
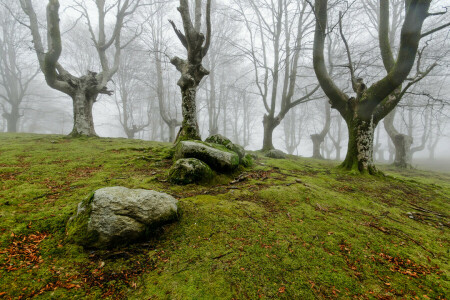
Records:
x=85, y=89
x=335, y=135
x=318, y=138
x=191, y=69
x=16, y=70
x=278, y=30
x=131, y=94
x=370, y=104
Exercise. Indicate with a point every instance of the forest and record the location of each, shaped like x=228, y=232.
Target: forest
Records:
x=224, y=149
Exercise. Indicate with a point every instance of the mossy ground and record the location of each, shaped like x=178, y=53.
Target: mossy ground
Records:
x=293, y=228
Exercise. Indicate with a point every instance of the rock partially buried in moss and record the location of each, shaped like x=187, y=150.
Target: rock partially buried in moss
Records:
x=277, y=154
x=190, y=170
x=224, y=141
x=117, y=215
x=216, y=156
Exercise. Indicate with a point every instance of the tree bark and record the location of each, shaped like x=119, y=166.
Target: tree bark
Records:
x=402, y=142
x=403, y=156
x=12, y=118
x=317, y=140
x=360, y=146
x=269, y=124
x=83, y=122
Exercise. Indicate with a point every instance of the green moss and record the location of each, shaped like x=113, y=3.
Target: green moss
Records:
x=288, y=229
x=77, y=228
x=247, y=161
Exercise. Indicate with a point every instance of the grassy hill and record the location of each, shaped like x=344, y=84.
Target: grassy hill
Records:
x=289, y=229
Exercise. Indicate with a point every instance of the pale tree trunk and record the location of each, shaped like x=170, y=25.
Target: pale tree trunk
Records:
x=402, y=142
x=83, y=122
x=12, y=118
x=189, y=126
x=317, y=139
x=172, y=126
x=212, y=110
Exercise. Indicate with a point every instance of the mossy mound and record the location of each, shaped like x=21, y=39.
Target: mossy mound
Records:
x=190, y=170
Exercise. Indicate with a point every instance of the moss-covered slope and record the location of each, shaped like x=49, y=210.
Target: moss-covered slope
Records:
x=291, y=229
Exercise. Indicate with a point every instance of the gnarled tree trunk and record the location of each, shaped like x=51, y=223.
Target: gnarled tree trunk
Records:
x=360, y=146
x=83, y=122
x=191, y=69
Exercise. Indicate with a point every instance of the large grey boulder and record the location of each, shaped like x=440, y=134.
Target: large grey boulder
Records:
x=190, y=170
x=118, y=215
x=218, y=157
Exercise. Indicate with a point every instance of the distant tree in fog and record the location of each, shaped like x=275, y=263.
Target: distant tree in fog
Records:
x=17, y=71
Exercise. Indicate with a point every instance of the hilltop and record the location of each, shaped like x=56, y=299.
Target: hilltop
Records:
x=293, y=228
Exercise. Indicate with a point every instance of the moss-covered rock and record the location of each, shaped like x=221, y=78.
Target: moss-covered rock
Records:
x=117, y=215
x=224, y=141
x=277, y=154
x=190, y=170
x=218, y=157
x=218, y=139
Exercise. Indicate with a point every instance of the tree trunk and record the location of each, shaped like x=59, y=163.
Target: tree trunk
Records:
x=401, y=142
x=317, y=140
x=338, y=152
x=403, y=157
x=172, y=127
x=189, y=129
x=269, y=124
x=360, y=146
x=130, y=134
x=83, y=122
x=12, y=119
x=380, y=154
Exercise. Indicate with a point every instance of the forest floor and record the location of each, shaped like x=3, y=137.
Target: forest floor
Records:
x=294, y=228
